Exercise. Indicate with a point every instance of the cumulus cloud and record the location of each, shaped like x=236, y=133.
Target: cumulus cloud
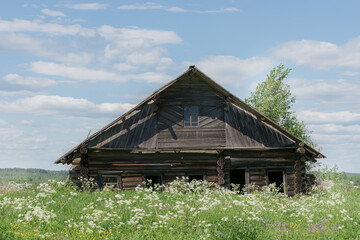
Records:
x=232, y=70
x=87, y=6
x=131, y=40
x=305, y=88
x=156, y=6
x=24, y=43
x=64, y=106
x=77, y=73
x=331, y=128
x=12, y=137
x=87, y=74
x=134, y=49
x=19, y=25
x=329, y=117
x=151, y=77
x=319, y=54
x=52, y=13
x=342, y=93
x=83, y=58
x=15, y=82
x=138, y=60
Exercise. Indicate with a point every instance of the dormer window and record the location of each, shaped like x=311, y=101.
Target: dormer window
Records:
x=191, y=116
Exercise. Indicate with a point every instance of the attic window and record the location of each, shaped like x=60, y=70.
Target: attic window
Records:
x=191, y=116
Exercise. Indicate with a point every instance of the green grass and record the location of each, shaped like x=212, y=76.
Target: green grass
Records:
x=53, y=210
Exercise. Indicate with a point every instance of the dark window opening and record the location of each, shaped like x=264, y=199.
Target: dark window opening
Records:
x=237, y=177
x=191, y=116
x=109, y=180
x=152, y=181
x=196, y=177
x=277, y=177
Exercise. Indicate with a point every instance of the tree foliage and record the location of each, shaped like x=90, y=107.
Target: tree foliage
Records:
x=273, y=98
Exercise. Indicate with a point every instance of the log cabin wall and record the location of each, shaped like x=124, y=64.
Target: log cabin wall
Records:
x=128, y=170
x=259, y=164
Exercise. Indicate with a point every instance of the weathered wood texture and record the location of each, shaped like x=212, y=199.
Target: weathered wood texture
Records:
x=159, y=123
x=191, y=91
x=245, y=130
x=135, y=130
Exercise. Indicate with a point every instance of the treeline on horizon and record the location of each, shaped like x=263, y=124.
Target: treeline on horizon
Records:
x=31, y=175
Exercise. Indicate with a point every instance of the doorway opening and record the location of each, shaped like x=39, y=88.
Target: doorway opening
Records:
x=195, y=177
x=237, y=177
x=277, y=177
x=153, y=181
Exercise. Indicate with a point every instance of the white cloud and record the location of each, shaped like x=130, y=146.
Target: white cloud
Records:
x=87, y=6
x=86, y=74
x=18, y=25
x=155, y=6
x=137, y=37
x=330, y=128
x=76, y=58
x=22, y=42
x=138, y=48
x=141, y=6
x=77, y=73
x=329, y=117
x=232, y=70
x=64, y=106
x=12, y=137
x=150, y=58
x=151, y=77
x=340, y=92
x=52, y=13
x=15, y=82
x=321, y=55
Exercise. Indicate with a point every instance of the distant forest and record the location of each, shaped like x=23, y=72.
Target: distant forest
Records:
x=31, y=175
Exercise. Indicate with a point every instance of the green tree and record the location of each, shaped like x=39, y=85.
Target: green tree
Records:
x=273, y=98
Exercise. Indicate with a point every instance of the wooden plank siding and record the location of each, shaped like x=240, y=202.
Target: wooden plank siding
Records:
x=245, y=130
x=190, y=92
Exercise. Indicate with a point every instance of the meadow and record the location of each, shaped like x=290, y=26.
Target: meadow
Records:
x=196, y=210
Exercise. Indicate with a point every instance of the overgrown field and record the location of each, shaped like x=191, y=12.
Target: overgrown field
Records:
x=54, y=210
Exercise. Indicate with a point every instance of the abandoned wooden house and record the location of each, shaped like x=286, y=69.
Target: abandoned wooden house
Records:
x=192, y=127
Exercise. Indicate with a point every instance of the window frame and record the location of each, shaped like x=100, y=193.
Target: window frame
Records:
x=191, y=116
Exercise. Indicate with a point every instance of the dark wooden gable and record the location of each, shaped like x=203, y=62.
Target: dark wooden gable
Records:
x=159, y=123
x=225, y=122
x=136, y=130
x=191, y=90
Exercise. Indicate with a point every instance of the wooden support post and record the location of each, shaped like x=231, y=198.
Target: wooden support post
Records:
x=84, y=171
x=220, y=169
x=298, y=178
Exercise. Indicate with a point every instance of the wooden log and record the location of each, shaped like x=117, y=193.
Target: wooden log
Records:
x=131, y=184
x=211, y=178
x=257, y=178
x=300, y=150
x=133, y=179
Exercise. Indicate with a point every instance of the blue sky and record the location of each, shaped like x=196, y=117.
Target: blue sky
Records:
x=70, y=67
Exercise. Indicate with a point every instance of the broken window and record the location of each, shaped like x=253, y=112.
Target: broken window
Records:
x=191, y=116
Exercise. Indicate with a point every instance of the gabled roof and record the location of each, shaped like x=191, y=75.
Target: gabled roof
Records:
x=66, y=158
